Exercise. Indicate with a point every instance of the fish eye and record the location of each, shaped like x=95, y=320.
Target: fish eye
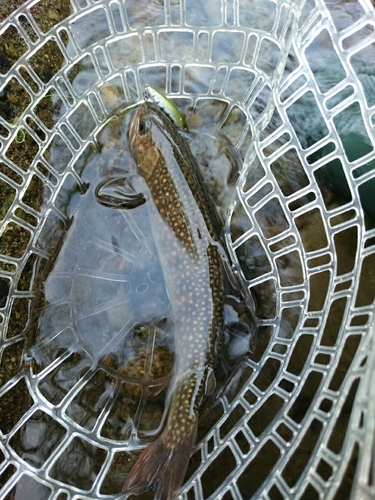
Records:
x=143, y=126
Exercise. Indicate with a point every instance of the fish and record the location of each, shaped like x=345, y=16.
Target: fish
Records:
x=187, y=232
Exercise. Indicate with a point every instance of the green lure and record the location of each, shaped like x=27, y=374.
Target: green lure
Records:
x=163, y=103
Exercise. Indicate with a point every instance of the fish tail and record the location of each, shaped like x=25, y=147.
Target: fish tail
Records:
x=162, y=465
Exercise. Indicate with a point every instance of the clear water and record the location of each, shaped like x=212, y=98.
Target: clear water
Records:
x=294, y=421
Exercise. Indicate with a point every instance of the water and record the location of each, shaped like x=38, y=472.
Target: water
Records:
x=90, y=357
x=300, y=235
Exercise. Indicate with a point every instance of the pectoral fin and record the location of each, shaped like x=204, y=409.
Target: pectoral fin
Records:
x=235, y=160
x=119, y=193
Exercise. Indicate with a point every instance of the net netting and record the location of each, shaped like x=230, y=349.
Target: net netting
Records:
x=292, y=84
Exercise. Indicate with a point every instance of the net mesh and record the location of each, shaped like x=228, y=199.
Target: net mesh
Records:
x=297, y=79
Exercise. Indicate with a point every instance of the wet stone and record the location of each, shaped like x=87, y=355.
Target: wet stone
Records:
x=79, y=465
x=37, y=438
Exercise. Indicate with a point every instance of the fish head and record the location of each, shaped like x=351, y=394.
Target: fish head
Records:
x=143, y=140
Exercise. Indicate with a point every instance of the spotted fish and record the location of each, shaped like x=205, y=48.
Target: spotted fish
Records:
x=186, y=230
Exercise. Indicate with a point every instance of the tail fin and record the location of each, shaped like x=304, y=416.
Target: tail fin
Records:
x=161, y=467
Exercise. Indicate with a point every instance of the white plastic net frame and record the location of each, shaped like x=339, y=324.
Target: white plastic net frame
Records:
x=256, y=441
